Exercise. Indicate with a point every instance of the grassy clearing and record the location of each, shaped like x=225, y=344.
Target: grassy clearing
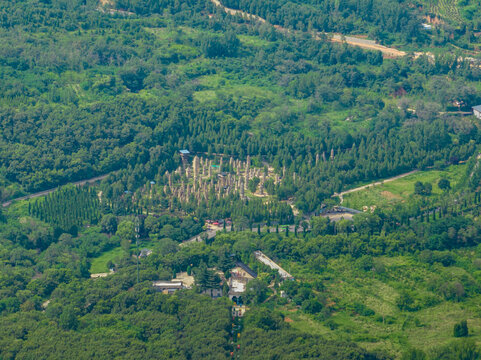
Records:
x=99, y=264
x=248, y=40
x=389, y=329
x=205, y=95
x=439, y=321
x=400, y=190
x=215, y=85
x=174, y=33
x=161, y=33
x=212, y=81
x=306, y=323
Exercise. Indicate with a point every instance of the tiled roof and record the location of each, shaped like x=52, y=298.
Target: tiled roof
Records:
x=246, y=269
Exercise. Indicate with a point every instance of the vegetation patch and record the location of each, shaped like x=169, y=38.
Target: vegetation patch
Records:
x=401, y=190
x=100, y=263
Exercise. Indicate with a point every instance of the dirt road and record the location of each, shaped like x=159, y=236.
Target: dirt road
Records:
x=367, y=44
x=46, y=192
x=350, y=40
x=340, y=195
x=234, y=12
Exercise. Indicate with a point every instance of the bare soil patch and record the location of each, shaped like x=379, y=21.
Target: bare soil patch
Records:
x=389, y=195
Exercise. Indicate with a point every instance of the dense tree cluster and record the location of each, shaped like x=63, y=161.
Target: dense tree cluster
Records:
x=67, y=209
x=87, y=90
x=331, y=16
x=118, y=324
x=140, y=134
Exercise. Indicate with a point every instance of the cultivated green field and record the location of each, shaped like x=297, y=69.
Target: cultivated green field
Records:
x=445, y=9
x=455, y=12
